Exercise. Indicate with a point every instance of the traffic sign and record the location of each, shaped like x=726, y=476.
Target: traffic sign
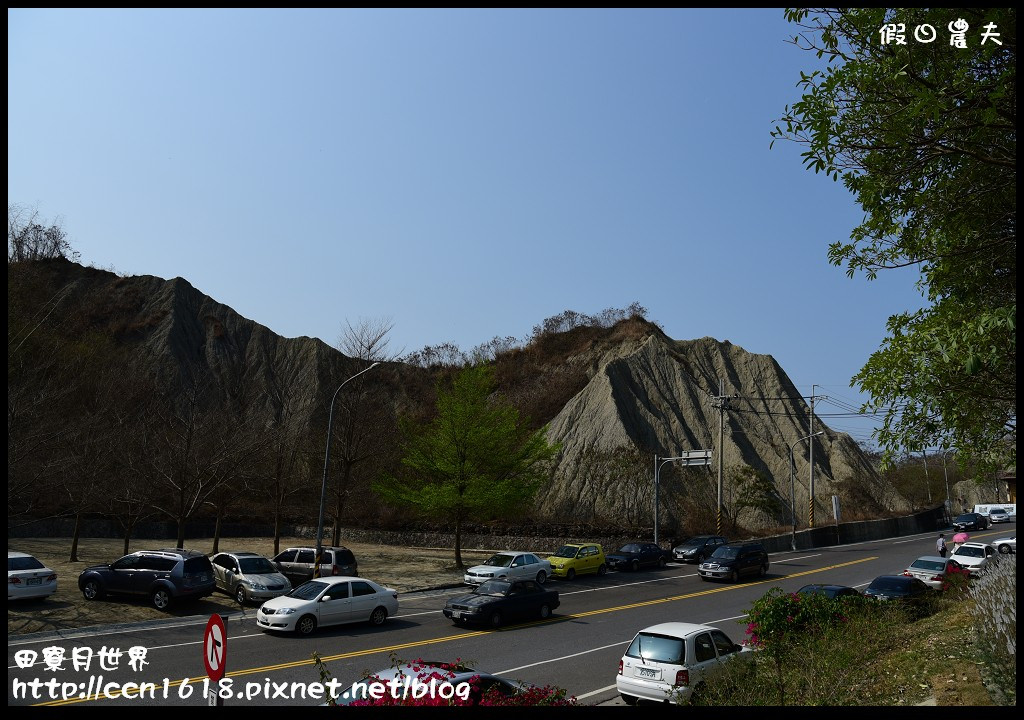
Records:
x=215, y=648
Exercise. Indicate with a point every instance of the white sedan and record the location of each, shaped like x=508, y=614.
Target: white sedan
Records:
x=509, y=565
x=28, y=578
x=1006, y=545
x=973, y=556
x=328, y=601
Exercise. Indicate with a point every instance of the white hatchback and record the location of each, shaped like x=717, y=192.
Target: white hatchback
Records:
x=668, y=662
x=28, y=578
x=328, y=601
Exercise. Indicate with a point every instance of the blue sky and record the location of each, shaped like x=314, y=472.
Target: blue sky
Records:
x=465, y=174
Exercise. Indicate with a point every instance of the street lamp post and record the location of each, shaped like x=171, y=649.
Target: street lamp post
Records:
x=323, y=487
x=792, y=482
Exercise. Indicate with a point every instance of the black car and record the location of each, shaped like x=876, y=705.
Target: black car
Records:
x=495, y=602
x=733, y=561
x=697, y=549
x=164, y=576
x=971, y=521
x=831, y=591
x=296, y=563
x=635, y=555
x=899, y=588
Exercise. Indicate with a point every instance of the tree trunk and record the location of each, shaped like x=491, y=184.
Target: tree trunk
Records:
x=458, y=544
x=74, y=537
x=216, y=529
x=127, y=536
x=277, y=532
x=181, y=533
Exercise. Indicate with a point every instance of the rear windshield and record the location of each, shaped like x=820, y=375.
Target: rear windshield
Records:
x=198, y=565
x=928, y=565
x=23, y=563
x=657, y=648
x=343, y=557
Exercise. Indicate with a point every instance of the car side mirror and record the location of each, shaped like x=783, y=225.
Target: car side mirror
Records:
x=325, y=598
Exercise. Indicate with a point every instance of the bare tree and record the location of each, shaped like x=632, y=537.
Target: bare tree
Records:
x=30, y=238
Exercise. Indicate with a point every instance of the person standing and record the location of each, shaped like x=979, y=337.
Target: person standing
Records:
x=940, y=545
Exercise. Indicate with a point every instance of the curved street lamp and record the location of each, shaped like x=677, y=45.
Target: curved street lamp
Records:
x=792, y=481
x=323, y=487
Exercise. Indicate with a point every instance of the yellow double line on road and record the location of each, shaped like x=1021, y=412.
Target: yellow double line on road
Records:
x=461, y=636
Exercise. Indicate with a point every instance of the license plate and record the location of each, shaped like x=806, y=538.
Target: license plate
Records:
x=35, y=581
x=647, y=673
x=456, y=613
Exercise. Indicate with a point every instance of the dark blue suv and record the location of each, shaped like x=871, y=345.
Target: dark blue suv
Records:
x=164, y=576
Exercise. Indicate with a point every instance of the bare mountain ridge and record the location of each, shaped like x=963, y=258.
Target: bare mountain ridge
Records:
x=625, y=389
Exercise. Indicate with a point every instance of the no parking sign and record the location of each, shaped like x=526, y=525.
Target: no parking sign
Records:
x=215, y=654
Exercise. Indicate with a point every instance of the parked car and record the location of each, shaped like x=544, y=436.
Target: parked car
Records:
x=831, y=591
x=668, y=662
x=733, y=561
x=296, y=563
x=1006, y=545
x=27, y=578
x=572, y=560
x=247, y=576
x=970, y=521
x=457, y=675
x=635, y=555
x=931, y=570
x=165, y=576
x=496, y=602
x=899, y=588
x=998, y=515
x=511, y=565
x=973, y=556
x=697, y=549
x=325, y=601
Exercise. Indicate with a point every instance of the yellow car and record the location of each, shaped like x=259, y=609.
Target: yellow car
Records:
x=573, y=560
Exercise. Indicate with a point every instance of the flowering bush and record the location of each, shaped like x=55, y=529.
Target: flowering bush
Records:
x=956, y=581
x=424, y=684
x=777, y=615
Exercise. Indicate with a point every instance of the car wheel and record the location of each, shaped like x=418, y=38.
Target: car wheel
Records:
x=700, y=558
x=378, y=616
x=545, y=611
x=92, y=590
x=570, y=574
x=305, y=625
x=1005, y=549
x=662, y=562
x=241, y=597
x=628, y=699
x=635, y=565
x=734, y=576
x=603, y=570
x=161, y=599
x=496, y=619
x=541, y=577
x=764, y=569
x=697, y=695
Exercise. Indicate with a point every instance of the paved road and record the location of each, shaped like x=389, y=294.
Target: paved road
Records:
x=578, y=648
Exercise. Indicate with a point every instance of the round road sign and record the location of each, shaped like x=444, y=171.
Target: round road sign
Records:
x=215, y=647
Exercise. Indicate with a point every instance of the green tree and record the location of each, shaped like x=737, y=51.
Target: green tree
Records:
x=476, y=459
x=754, y=491
x=924, y=136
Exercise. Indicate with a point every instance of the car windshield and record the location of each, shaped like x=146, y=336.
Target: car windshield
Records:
x=888, y=583
x=965, y=518
x=309, y=590
x=695, y=542
x=23, y=563
x=500, y=560
x=567, y=551
x=968, y=551
x=492, y=587
x=929, y=565
x=726, y=553
x=631, y=548
x=657, y=648
x=256, y=566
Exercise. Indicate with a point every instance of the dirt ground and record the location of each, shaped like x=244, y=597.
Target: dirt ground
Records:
x=404, y=569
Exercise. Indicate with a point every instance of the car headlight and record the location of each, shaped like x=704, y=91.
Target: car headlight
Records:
x=258, y=586
x=286, y=611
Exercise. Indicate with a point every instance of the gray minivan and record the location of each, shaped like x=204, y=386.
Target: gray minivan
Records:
x=296, y=563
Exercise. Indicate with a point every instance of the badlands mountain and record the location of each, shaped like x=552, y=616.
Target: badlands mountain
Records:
x=614, y=397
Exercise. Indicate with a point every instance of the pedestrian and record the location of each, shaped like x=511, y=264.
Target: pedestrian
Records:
x=940, y=545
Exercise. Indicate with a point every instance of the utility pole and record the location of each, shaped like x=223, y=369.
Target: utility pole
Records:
x=810, y=487
x=924, y=454
x=721, y=447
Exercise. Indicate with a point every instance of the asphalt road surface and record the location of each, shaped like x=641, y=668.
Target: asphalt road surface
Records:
x=578, y=648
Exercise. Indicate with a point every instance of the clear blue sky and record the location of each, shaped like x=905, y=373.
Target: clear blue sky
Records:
x=465, y=174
